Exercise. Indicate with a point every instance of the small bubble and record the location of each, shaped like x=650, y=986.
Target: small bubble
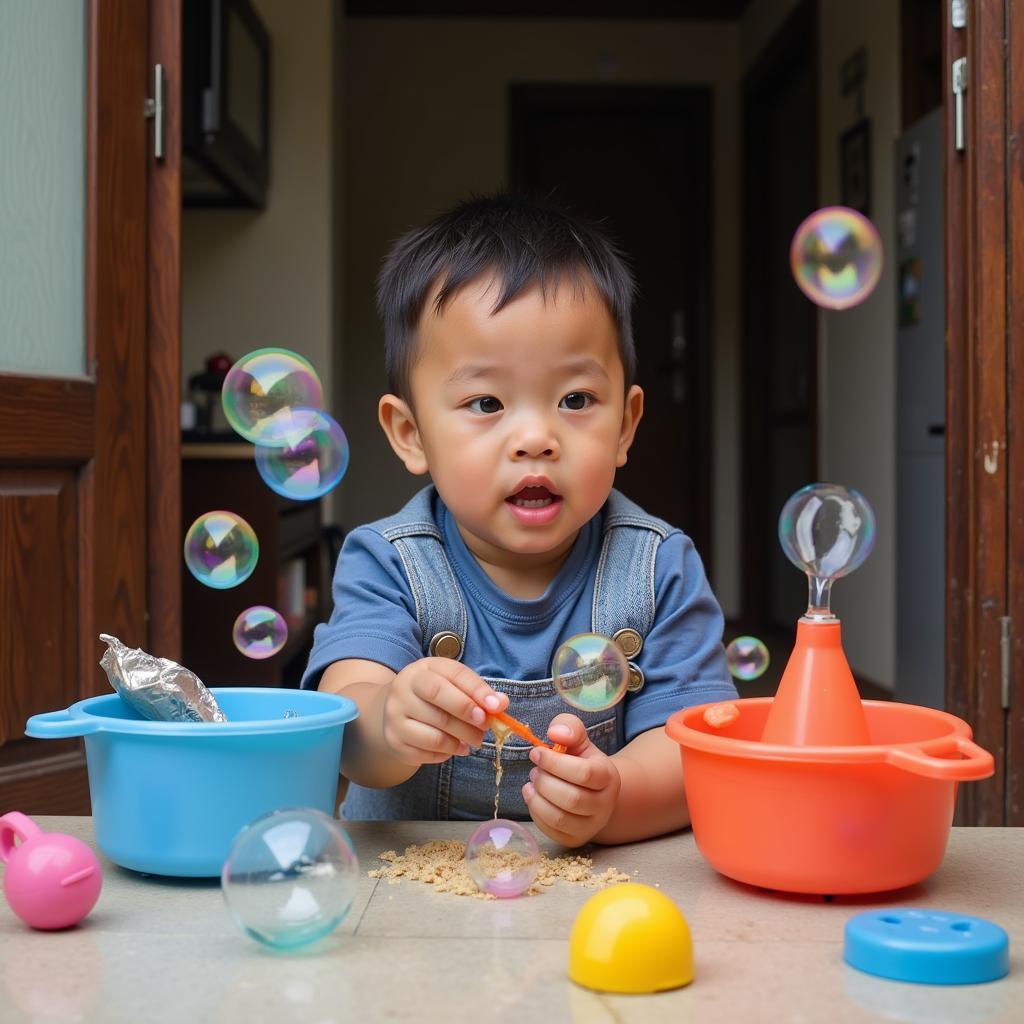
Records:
x=259, y=632
x=264, y=384
x=836, y=257
x=746, y=658
x=221, y=549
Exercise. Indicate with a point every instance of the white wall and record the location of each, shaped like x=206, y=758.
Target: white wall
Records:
x=254, y=278
x=426, y=126
x=857, y=347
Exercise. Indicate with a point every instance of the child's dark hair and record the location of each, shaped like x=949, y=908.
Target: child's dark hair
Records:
x=523, y=242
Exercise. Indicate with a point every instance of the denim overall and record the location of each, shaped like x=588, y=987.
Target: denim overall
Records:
x=462, y=788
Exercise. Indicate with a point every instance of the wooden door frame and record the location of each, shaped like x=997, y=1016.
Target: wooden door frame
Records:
x=163, y=348
x=695, y=99
x=985, y=405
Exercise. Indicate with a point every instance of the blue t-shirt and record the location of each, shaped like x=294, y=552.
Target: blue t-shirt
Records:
x=374, y=618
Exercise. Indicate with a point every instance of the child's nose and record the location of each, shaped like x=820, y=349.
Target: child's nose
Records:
x=535, y=442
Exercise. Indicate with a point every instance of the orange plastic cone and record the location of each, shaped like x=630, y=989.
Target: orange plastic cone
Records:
x=817, y=703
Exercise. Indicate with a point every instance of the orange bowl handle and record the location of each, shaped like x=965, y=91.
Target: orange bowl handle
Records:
x=975, y=763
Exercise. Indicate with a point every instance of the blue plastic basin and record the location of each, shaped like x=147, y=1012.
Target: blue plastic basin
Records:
x=168, y=798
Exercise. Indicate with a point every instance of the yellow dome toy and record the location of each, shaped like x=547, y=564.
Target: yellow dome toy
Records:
x=630, y=938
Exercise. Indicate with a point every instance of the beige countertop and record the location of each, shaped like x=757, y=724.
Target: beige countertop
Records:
x=157, y=950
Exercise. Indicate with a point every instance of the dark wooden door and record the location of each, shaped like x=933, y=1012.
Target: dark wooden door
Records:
x=638, y=160
x=985, y=401
x=82, y=453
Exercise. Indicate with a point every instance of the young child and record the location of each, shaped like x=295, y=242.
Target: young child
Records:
x=510, y=363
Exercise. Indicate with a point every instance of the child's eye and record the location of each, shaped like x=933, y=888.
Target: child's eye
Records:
x=488, y=405
x=576, y=400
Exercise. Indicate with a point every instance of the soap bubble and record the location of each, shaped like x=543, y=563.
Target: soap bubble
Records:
x=290, y=877
x=303, y=454
x=590, y=672
x=827, y=530
x=746, y=658
x=221, y=549
x=259, y=632
x=502, y=858
x=836, y=257
x=265, y=383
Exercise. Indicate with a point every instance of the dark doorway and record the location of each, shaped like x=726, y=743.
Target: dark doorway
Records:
x=638, y=160
x=779, y=345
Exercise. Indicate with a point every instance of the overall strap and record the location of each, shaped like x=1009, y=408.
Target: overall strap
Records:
x=624, y=597
x=440, y=611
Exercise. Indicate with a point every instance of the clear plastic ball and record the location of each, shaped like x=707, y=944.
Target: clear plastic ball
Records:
x=827, y=530
x=259, y=632
x=502, y=858
x=746, y=657
x=290, y=877
x=265, y=383
x=590, y=672
x=836, y=257
x=221, y=549
x=303, y=454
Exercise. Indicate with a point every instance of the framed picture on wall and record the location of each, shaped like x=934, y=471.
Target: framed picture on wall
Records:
x=855, y=167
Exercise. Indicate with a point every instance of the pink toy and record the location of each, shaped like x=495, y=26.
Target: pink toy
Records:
x=51, y=880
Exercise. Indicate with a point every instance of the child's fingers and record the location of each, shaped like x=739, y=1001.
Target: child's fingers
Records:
x=561, y=825
x=589, y=772
x=565, y=795
x=430, y=742
x=466, y=680
x=434, y=688
x=435, y=715
x=569, y=731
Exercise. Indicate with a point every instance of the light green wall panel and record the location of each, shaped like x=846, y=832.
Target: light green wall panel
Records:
x=42, y=186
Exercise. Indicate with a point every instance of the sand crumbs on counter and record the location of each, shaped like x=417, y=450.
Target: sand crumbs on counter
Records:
x=440, y=863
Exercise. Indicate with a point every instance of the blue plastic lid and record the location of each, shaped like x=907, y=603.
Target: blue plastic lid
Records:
x=930, y=946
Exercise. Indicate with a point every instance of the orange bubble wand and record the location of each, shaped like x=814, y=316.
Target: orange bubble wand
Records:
x=523, y=732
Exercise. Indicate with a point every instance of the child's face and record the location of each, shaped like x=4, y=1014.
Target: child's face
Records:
x=521, y=417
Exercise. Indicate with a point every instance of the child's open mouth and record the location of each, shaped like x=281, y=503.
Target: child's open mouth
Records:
x=534, y=504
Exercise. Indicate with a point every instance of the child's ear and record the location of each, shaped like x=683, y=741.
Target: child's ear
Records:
x=632, y=413
x=397, y=421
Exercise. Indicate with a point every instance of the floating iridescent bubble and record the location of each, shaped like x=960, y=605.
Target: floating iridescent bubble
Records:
x=836, y=257
x=290, y=877
x=259, y=632
x=262, y=385
x=746, y=658
x=306, y=455
x=221, y=549
x=827, y=531
x=502, y=858
x=590, y=672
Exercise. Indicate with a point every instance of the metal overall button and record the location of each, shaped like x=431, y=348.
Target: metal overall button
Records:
x=445, y=645
x=636, y=679
x=630, y=642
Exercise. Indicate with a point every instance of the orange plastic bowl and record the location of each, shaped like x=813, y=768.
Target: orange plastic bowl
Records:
x=826, y=820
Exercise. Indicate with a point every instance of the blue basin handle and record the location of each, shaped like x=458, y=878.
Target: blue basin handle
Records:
x=54, y=725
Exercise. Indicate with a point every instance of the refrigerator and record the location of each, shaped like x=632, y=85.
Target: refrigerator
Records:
x=920, y=415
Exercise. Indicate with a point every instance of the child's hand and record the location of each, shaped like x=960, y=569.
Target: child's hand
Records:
x=434, y=708
x=571, y=796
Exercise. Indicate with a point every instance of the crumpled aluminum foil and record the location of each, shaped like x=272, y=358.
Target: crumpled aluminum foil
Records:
x=157, y=688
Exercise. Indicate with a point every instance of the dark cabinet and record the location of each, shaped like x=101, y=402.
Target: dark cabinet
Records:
x=289, y=575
